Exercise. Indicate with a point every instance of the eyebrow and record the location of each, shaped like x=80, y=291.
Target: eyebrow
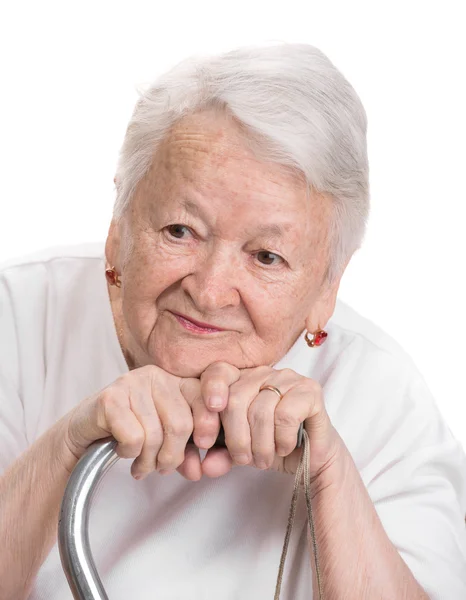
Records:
x=191, y=207
x=271, y=230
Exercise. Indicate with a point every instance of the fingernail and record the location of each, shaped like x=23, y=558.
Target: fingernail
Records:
x=166, y=471
x=242, y=459
x=215, y=401
x=205, y=442
x=260, y=464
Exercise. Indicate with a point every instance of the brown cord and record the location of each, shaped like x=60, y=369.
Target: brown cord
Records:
x=304, y=464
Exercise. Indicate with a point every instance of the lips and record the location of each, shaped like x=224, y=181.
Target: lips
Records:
x=192, y=324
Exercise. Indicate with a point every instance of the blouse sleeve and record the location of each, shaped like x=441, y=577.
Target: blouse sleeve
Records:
x=13, y=439
x=418, y=485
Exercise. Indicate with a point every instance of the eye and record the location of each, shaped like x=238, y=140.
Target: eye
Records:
x=177, y=230
x=268, y=258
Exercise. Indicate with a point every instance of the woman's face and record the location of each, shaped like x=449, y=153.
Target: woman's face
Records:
x=220, y=237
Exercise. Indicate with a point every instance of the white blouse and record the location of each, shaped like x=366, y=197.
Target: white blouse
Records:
x=169, y=538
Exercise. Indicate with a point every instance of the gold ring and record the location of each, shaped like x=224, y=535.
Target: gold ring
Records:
x=272, y=389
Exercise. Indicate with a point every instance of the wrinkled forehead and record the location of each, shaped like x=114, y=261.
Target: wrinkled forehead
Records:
x=206, y=158
x=214, y=145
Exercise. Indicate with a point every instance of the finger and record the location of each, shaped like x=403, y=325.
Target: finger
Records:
x=142, y=406
x=235, y=417
x=261, y=417
x=217, y=462
x=215, y=383
x=296, y=406
x=191, y=468
x=206, y=424
x=190, y=389
x=177, y=425
x=287, y=464
x=235, y=422
x=115, y=417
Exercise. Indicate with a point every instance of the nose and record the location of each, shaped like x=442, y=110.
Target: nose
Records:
x=213, y=283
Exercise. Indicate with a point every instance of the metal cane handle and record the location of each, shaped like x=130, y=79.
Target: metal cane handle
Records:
x=73, y=535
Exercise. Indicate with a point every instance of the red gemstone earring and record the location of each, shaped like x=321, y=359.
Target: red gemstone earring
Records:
x=318, y=339
x=112, y=277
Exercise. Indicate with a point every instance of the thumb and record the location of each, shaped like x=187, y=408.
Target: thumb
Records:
x=287, y=464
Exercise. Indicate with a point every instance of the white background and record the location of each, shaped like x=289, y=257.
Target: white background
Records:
x=67, y=88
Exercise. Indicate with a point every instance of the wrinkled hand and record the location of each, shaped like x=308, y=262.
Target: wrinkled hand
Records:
x=260, y=428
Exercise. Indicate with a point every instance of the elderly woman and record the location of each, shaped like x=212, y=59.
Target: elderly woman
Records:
x=242, y=193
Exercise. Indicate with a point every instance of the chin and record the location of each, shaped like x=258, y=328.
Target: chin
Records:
x=183, y=366
x=184, y=370
x=190, y=357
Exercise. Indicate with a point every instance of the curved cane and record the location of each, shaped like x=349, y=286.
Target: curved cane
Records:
x=73, y=535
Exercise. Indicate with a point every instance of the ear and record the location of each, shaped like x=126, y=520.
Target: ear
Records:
x=113, y=245
x=324, y=306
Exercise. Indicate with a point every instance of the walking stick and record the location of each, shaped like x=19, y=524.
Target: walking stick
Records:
x=73, y=535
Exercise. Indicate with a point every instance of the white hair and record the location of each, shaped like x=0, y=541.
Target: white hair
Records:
x=293, y=100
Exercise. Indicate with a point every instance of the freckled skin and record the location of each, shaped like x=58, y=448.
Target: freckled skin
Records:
x=214, y=269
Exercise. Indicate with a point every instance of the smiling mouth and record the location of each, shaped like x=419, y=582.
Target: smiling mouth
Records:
x=195, y=326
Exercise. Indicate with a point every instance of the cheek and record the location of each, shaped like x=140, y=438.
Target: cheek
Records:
x=273, y=312
x=149, y=279
x=154, y=266
x=278, y=310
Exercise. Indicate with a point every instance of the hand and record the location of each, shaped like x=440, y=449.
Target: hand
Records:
x=260, y=428
x=151, y=414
